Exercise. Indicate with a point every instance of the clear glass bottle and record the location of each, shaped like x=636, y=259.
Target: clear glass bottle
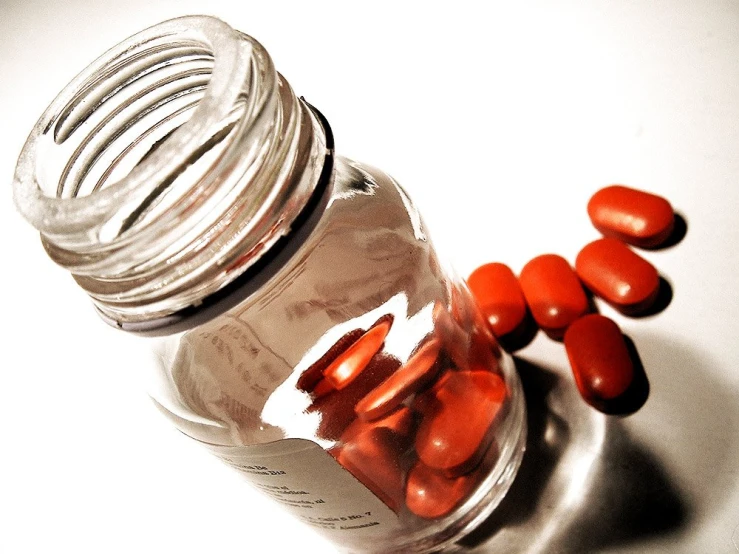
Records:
x=302, y=326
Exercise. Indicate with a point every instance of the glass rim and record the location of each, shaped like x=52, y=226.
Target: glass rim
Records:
x=232, y=65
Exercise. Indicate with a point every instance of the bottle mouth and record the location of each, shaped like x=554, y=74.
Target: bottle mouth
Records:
x=168, y=167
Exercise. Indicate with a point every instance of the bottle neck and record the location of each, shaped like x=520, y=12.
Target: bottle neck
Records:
x=169, y=167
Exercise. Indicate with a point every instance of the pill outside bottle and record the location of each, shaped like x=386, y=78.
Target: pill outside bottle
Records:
x=302, y=328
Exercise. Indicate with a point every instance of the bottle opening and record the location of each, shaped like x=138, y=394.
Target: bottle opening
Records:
x=169, y=166
x=140, y=111
x=121, y=118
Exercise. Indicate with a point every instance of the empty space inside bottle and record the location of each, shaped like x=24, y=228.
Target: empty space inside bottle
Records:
x=141, y=136
x=123, y=115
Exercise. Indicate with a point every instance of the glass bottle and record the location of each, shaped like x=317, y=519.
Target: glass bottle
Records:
x=301, y=325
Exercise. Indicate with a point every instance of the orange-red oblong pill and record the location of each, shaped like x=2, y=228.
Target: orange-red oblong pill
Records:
x=401, y=421
x=410, y=378
x=430, y=494
x=633, y=216
x=311, y=377
x=553, y=292
x=617, y=274
x=499, y=295
x=373, y=457
x=599, y=359
x=457, y=426
x=336, y=408
x=350, y=363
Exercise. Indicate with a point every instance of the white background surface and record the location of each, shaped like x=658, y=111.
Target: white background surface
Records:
x=500, y=122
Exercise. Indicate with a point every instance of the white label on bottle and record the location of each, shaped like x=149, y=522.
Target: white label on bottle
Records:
x=314, y=487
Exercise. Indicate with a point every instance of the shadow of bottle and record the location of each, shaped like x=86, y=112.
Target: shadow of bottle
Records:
x=584, y=483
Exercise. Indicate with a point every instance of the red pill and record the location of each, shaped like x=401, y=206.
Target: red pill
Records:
x=337, y=408
x=499, y=295
x=633, y=216
x=401, y=421
x=553, y=292
x=322, y=388
x=618, y=275
x=426, y=401
x=310, y=378
x=430, y=494
x=409, y=379
x=348, y=365
x=373, y=457
x=599, y=359
x=457, y=426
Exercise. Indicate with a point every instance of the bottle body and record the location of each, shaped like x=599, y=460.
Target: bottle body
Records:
x=302, y=327
x=251, y=383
